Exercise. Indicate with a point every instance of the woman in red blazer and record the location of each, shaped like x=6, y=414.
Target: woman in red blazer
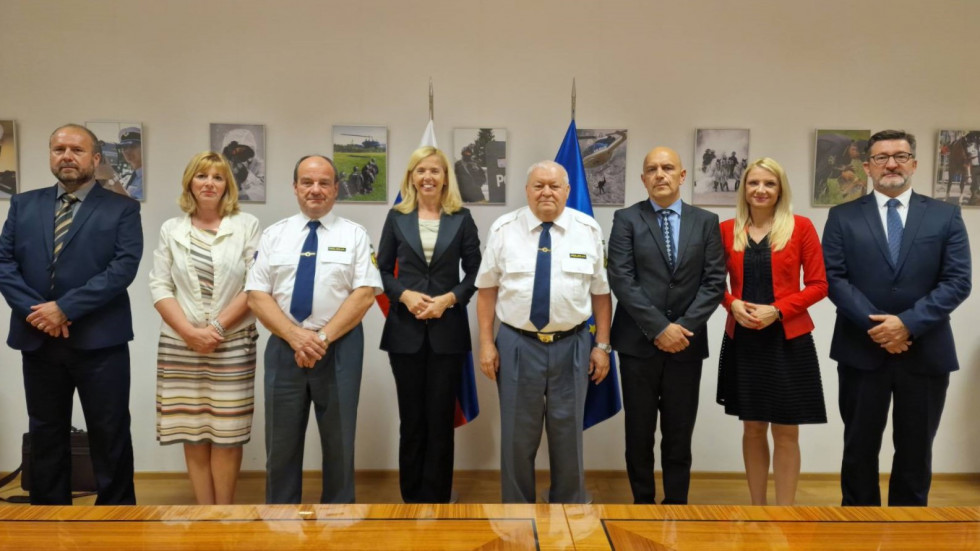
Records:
x=768, y=373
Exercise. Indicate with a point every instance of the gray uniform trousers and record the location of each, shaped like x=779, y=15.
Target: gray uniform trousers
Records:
x=333, y=386
x=540, y=382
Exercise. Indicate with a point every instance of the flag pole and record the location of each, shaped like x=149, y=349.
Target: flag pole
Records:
x=432, y=109
x=573, y=98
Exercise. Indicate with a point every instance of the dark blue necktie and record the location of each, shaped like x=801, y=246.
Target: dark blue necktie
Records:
x=895, y=229
x=302, y=304
x=668, y=238
x=541, y=297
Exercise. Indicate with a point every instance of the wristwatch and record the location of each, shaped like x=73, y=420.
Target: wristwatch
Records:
x=323, y=336
x=604, y=346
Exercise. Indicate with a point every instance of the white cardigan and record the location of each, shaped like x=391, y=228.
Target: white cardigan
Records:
x=173, y=274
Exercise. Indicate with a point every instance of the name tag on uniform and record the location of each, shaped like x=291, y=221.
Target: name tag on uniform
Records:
x=338, y=249
x=577, y=255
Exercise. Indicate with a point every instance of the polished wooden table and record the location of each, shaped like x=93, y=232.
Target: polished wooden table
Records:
x=486, y=527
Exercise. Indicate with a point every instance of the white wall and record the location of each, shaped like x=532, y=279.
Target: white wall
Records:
x=660, y=69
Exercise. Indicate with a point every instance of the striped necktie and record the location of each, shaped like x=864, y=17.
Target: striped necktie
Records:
x=668, y=238
x=62, y=223
x=895, y=229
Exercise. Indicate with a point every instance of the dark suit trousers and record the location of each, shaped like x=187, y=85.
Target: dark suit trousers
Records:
x=864, y=398
x=51, y=375
x=652, y=386
x=426, y=383
x=333, y=386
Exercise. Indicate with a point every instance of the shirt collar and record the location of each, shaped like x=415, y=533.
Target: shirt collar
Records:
x=533, y=221
x=326, y=220
x=903, y=198
x=81, y=193
x=675, y=206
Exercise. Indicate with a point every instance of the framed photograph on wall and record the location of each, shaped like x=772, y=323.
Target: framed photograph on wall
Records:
x=481, y=164
x=8, y=158
x=604, y=158
x=958, y=168
x=838, y=167
x=244, y=147
x=361, y=156
x=720, y=156
x=121, y=169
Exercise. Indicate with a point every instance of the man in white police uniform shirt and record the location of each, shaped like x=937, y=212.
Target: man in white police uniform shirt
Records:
x=543, y=275
x=312, y=282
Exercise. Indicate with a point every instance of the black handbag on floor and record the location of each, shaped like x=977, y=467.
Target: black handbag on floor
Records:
x=82, y=473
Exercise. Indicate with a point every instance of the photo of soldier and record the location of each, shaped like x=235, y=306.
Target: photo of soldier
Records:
x=361, y=156
x=958, y=168
x=720, y=157
x=838, y=171
x=481, y=164
x=243, y=145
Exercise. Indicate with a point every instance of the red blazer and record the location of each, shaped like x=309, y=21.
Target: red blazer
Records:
x=802, y=250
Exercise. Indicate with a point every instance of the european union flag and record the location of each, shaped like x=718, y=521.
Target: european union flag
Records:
x=603, y=400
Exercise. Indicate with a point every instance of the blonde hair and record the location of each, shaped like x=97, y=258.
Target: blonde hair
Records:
x=782, y=218
x=451, y=200
x=205, y=162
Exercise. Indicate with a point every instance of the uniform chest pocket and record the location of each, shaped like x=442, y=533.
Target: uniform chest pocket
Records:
x=335, y=266
x=282, y=259
x=582, y=266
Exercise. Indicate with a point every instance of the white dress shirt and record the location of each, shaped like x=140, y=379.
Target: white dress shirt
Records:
x=344, y=262
x=174, y=275
x=903, y=209
x=577, y=267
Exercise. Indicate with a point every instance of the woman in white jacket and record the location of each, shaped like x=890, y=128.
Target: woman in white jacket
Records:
x=206, y=354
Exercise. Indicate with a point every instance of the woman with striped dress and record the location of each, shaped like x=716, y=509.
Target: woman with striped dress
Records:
x=206, y=354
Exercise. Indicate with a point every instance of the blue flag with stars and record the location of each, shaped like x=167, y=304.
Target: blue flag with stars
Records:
x=602, y=400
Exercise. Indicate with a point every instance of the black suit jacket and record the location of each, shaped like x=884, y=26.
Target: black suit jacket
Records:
x=932, y=277
x=458, y=243
x=99, y=260
x=649, y=296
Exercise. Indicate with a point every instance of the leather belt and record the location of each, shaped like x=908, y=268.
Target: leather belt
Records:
x=548, y=338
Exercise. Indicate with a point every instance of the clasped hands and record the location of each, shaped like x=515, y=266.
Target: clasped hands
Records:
x=890, y=333
x=49, y=318
x=754, y=316
x=424, y=307
x=308, y=346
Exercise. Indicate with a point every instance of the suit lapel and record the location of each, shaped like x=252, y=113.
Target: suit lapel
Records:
x=916, y=214
x=687, y=227
x=870, y=208
x=47, y=210
x=650, y=217
x=409, y=226
x=448, y=227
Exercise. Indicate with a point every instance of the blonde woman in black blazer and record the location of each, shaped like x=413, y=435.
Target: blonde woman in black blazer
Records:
x=429, y=235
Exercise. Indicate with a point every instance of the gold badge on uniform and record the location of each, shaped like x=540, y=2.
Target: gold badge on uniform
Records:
x=578, y=255
x=374, y=257
x=338, y=249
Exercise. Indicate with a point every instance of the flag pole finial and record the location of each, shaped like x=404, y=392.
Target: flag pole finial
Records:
x=573, y=98
x=432, y=109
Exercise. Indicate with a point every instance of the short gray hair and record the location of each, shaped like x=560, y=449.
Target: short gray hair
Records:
x=562, y=173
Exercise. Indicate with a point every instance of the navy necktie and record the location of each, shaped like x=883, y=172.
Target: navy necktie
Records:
x=541, y=296
x=301, y=305
x=895, y=229
x=668, y=238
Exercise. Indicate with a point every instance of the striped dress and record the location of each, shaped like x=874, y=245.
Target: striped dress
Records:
x=206, y=397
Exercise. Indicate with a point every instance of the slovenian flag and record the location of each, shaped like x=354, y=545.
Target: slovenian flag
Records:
x=467, y=402
x=603, y=400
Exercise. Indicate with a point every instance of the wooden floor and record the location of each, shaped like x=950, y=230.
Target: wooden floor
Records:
x=488, y=527
x=167, y=519
x=606, y=487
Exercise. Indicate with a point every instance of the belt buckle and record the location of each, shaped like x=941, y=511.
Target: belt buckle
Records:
x=546, y=338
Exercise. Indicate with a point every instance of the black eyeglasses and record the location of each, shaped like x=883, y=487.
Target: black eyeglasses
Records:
x=900, y=158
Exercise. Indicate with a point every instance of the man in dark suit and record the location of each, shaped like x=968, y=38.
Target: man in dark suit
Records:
x=667, y=270
x=67, y=254
x=898, y=264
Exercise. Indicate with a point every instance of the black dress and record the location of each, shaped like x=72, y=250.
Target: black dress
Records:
x=762, y=375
